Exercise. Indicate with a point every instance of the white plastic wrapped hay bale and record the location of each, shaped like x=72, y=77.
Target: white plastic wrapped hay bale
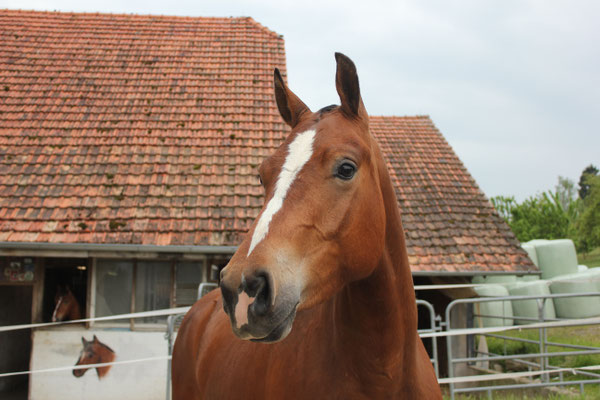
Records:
x=581, y=282
x=528, y=278
x=535, y=242
x=556, y=257
x=497, y=313
x=500, y=279
x=529, y=308
x=530, y=249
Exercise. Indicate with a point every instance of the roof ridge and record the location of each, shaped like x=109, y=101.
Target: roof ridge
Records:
x=115, y=14
x=417, y=116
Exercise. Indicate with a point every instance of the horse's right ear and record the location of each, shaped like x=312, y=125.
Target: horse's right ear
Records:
x=290, y=106
x=83, y=341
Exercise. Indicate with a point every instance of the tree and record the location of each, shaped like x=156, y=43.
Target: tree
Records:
x=504, y=205
x=558, y=214
x=588, y=224
x=538, y=217
x=565, y=189
x=584, y=187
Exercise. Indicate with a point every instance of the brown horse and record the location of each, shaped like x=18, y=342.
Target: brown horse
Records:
x=94, y=352
x=322, y=276
x=66, y=306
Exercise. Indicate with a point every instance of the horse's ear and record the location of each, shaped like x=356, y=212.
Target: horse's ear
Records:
x=290, y=106
x=95, y=339
x=346, y=83
x=83, y=341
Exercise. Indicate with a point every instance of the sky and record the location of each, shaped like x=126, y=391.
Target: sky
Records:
x=514, y=86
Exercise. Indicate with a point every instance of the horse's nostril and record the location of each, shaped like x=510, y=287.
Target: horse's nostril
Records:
x=258, y=287
x=229, y=296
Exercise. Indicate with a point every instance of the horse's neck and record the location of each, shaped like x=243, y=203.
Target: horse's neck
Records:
x=75, y=311
x=378, y=315
x=109, y=357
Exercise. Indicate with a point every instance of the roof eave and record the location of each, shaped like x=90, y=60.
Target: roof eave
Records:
x=100, y=250
x=473, y=273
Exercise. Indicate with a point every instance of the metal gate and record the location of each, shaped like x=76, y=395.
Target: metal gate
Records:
x=537, y=363
x=434, y=326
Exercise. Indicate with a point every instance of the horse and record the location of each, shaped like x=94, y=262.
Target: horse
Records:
x=94, y=352
x=66, y=306
x=318, y=301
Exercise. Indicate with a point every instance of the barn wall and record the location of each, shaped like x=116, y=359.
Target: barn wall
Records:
x=61, y=347
x=15, y=308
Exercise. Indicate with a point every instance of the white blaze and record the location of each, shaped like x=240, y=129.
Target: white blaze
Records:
x=299, y=152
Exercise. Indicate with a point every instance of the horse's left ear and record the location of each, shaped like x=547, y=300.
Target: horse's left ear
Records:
x=95, y=339
x=290, y=106
x=346, y=83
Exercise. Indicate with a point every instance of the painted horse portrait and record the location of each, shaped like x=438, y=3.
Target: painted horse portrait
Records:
x=94, y=352
x=66, y=306
x=318, y=300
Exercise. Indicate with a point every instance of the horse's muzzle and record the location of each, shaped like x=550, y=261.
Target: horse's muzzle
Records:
x=255, y=312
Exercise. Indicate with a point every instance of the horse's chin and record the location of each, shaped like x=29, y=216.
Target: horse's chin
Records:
x=279, y=332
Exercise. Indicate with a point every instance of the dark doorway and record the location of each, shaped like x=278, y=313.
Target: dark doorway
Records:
x=15, y=346
x=63, y=273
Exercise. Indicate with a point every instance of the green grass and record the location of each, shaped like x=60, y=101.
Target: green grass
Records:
x=591, y=259
x=579, y=335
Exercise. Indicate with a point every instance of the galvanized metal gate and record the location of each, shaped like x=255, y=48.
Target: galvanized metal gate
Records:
x=536, y=363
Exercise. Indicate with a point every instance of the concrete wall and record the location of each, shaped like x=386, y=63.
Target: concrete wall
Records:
x=62, y=346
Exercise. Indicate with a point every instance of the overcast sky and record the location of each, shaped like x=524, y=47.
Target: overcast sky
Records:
x=514, y=86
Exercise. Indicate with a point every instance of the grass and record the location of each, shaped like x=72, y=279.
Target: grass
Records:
x=588, y=335
x=591, y=259
x=580, y=335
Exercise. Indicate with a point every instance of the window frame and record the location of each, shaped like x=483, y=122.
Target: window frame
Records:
x=131, y=323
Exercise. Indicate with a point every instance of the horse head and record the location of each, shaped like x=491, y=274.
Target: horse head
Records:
x=94, y=352
x=66, y=306
x=323, y=222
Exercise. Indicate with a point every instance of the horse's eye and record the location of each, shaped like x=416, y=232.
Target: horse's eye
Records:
x=345, y=170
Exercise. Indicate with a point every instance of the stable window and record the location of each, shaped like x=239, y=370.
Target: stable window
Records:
x=152, y=288
x=188, y=277
x=114, y=280
x=128, y=286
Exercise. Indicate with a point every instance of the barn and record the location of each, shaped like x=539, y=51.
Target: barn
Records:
x=129, y=147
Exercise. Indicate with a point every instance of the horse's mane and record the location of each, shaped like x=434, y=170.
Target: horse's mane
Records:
x=327, y=109
x=108, y=347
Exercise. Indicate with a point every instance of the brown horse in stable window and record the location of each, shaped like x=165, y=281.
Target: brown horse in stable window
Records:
x=318, y=299
x=94, y=352
x=66, y=306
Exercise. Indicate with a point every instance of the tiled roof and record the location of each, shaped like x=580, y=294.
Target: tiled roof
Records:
x=148, y=130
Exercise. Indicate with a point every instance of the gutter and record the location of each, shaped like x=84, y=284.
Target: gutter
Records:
x=474, y=273
x=113, y=248
x=8, y=248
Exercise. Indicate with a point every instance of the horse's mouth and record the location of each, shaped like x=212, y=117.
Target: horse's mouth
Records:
x=281, y=331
